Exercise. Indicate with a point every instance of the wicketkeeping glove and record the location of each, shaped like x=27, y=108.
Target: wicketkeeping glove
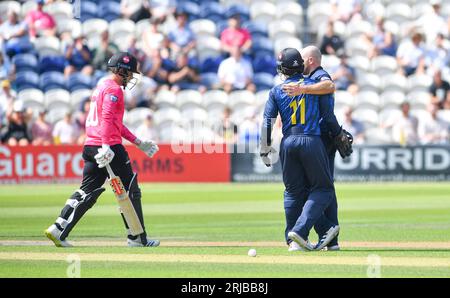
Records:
x=264, y=152
x=149, y=147
x=343, y=142
x=104, y=156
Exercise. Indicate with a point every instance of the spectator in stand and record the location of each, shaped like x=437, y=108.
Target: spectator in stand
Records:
x=157, y=70
x=438, y=55
x=227, y=130
x=236, y=73
x=7, y=95
x=185, y=76
x=355, y=127
x=147, y=129
x=181, y=38
x=41, y=130
x=411, y=55
x=439, y=89
x=331, y=43
x=65, y=131
x=235, y=36
x=432, y=23
x=381, y=42
x=433, y=130
x=152, y=38
x=404, y=129
x=135, y=10
x=103, y=52
x=39, y=22
x=14, y=35
x=78, y=57
x=344, y=76
x=17, y=128
x=346, y=10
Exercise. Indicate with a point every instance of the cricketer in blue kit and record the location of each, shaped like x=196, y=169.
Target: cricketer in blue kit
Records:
x=306, y=173
x=325, y=85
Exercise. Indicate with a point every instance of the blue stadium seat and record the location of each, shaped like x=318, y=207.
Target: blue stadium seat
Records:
x=213, y=11
x=25, y=62
x=209, y=79
x=79, y=81
x=211, y=64
x=52, y=63
x=198, y=2
x=262, y=46
x=26, y=80
x=263, y=81
x=191, y=8
x=88, y=10
x=52, y=80
x=98, y=74
x=220, y=26
x=100, y=1
x=256, y=29
x=19, y=47
x=265, y=63
x=239, y=9
x=109, y=10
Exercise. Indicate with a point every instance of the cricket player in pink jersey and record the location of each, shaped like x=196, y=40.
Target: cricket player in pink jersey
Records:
x=103, y=146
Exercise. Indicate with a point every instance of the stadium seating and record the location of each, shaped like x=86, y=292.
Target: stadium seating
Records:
x=52, y=80
x=6, y=6
x=212, y=11
x=26, y=79
x=88, y=10
x=79, y=81
x=48, y=46
x=78, y=96
x=69, y=25
x=264, y=63
x=60, y=10
x=32, y=98
x=24, y=62
x=57, y=99
x=263, y=81
x=274, y=25
x=187, y=99
x=52, y=63
x=109, y=10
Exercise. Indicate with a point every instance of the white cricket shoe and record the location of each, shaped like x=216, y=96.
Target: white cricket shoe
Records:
x=332, y=248
x=329, y=235
x=54, y=234
x=293, y=246
x=138, y=243
x=300, y=241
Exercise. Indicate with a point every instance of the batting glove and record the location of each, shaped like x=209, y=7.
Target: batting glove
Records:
x=104, y=156
x=264, y=153
x=149, y=147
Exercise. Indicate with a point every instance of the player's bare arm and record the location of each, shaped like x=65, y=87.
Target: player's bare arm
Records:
x=321, y=88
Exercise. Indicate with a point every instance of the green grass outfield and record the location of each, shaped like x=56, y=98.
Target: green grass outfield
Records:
x=207, y=229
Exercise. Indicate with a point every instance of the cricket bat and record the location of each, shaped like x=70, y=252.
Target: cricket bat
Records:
x=134, y=224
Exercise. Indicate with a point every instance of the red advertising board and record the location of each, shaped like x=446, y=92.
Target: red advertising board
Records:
x=43, y=164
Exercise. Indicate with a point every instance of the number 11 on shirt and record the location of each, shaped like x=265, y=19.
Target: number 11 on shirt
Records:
x=295, y=104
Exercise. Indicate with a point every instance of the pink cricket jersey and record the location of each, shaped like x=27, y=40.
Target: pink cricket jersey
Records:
x=104, y=123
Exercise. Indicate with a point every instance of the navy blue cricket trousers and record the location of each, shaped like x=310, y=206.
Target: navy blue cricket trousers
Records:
x=308, y=182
